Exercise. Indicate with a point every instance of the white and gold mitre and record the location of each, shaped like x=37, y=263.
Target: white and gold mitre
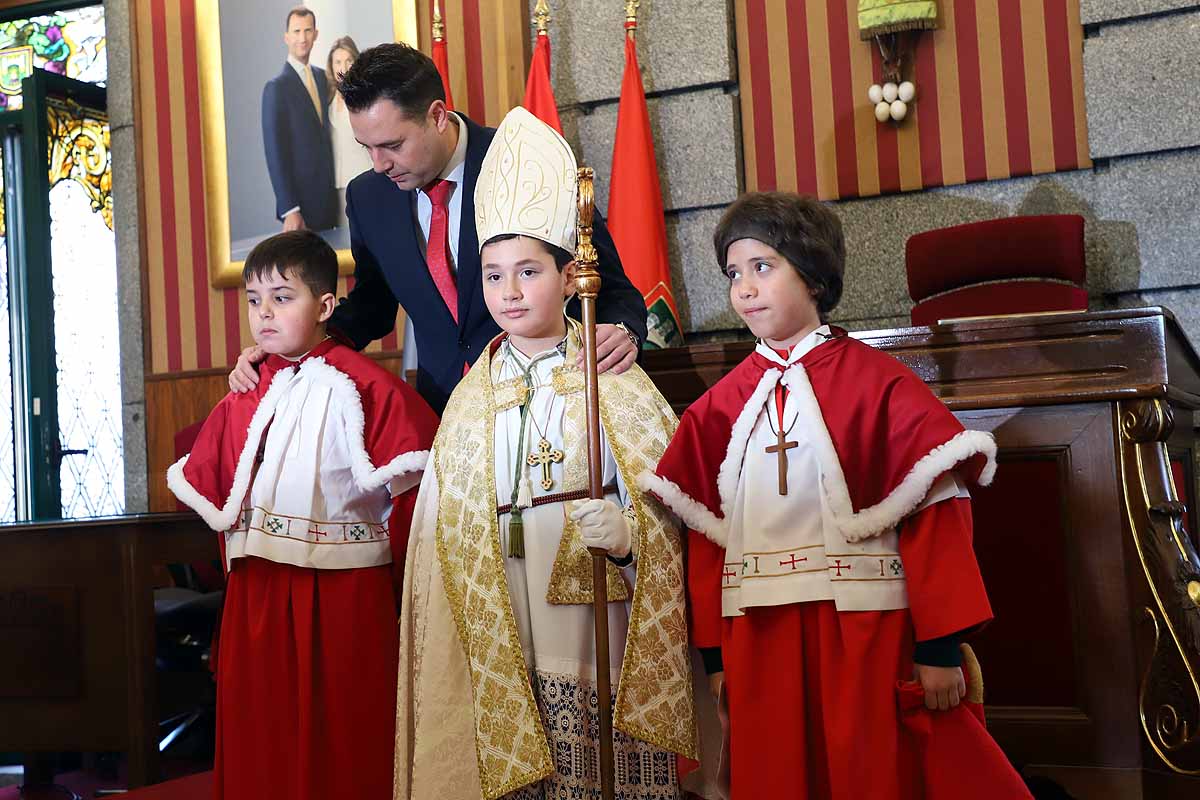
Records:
x=527, y=184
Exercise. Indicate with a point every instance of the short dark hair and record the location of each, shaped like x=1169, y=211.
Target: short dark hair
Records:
x=299, y=11
x=561, y=257
x=303, y=252
x=395, y=72
x=804, y=230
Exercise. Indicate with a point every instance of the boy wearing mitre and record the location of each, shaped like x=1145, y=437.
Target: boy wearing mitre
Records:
x=830, y=568
x=310, y=481
x=497, y=692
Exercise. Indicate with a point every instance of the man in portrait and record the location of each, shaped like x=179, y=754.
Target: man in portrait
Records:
x=295, y=123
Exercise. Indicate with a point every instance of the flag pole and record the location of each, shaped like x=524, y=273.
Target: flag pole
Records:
x=587, y=285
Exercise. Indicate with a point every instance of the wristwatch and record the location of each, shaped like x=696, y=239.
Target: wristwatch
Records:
x=633, y=339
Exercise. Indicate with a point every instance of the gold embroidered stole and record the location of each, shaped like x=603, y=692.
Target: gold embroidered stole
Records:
x=654, y=695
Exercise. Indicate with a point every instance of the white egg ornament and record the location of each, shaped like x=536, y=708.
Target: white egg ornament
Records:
x=875, y=94
x=906, y=91
x=898, y=110
x=890, y=92
x=882, y=111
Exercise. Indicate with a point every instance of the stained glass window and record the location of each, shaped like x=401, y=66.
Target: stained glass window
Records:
x=71, y=43
x=83, y=258
x=8, y=467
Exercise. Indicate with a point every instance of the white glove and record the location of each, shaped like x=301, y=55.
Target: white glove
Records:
x=602, y=525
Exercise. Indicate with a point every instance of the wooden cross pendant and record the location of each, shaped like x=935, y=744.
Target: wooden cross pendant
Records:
x=544, y=456
x=780, y=448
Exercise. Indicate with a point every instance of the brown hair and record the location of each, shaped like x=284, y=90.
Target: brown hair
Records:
x=561, y=257
x=804, y=231
x=303, y=253
x=299, y=11
x=344, y=43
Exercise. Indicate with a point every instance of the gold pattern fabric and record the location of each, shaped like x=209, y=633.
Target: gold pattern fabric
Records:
x=571, y=578
x=654, y=694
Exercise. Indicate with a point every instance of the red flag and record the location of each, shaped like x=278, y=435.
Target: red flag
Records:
x=635, y=207
x=442, y=61
x=539, y=94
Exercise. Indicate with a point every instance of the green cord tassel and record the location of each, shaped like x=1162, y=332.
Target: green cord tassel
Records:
x=516, y=535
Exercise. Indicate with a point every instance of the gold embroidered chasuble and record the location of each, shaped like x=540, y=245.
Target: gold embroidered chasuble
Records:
x=464, y=685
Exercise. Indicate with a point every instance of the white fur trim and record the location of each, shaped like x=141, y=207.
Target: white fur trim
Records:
x=223, y=518
x=692, y=512
x=731, y=467
x=907, y=496
x=367, y=475
x=855, y=527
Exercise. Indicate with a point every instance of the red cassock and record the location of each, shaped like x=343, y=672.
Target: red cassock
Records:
x=306, y=669
x=813, y=693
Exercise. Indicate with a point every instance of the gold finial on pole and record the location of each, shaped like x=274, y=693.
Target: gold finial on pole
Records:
x=541, y=17
x=631, y=12
x=439, y=27
x=587, y=278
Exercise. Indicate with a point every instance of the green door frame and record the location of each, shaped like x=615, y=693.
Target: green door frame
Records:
x=32, y=287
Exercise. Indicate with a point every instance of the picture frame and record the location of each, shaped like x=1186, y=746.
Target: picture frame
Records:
x=240, y=48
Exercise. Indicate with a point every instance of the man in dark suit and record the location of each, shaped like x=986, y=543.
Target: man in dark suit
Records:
x=295, y=123
x=412, y=219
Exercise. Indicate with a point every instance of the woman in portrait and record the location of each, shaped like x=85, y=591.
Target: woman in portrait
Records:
x=349, y=157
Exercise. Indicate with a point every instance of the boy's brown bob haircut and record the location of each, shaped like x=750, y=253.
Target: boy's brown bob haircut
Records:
x=302, y=252
x=561, y=257
x=804, y=231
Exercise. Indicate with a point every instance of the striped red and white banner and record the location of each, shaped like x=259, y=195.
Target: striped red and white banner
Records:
x=999, y=95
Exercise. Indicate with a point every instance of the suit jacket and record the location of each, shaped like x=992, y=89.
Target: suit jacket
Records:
x=389, y=269
x=298, y=147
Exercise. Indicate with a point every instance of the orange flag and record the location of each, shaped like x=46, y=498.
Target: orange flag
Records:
x=539, y=94
x=635, y=207
x=441, y=59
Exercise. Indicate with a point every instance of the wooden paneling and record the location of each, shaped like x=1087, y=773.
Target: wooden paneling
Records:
x=103, y=697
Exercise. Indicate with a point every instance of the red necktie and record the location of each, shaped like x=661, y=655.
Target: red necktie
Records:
x=781, y=391
x=437, y=250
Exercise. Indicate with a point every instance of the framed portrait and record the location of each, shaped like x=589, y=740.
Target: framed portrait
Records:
x=276, y=136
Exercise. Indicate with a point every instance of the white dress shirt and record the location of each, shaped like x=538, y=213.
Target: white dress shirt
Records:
x=455, y=170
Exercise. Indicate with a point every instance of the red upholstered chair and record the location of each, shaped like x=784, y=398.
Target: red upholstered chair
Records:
x=1012, y=265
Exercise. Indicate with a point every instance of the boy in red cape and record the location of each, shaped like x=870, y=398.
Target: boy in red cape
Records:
x=830, y=556
x=311, y=480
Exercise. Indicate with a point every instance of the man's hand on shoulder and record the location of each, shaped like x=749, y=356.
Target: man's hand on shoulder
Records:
x=615, y=349
x=245, y=373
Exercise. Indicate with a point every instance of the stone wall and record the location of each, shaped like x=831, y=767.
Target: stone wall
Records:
x=1140, y=199
x=689, y=69
x=117, y=15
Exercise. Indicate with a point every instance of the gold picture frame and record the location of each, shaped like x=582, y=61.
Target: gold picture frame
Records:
x=224, y=272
